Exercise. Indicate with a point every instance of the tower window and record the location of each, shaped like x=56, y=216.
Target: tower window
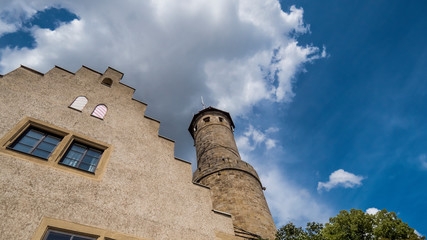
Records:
x=79, y=103
x=206, y=119
x=37, y=143
x=100, y=111
x=107, y=82
x=221, y=119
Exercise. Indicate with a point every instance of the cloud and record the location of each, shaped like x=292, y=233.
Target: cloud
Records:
x=270, y=143
x=372, y=211
x=418, y=233
x=287, y=200
x=252, y=138
x=340, y=178
x=423, y=161
x=272, y=130
x=234, y=53
x=220, y=49
x=290, y=202
x=6, y=28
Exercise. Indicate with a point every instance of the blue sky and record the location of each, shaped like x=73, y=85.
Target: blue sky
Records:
x=328, y=97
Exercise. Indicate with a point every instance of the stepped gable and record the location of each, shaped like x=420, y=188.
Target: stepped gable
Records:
x=139, y=189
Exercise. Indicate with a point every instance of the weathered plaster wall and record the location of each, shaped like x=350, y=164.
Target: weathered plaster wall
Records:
x=144, y=192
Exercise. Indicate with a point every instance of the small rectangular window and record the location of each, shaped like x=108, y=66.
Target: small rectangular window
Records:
x=82, y=157
x=36, y=142
x=56, y=235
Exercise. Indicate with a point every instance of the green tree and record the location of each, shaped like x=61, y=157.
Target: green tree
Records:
x=352, y=225
x=388, y=226
x=291, y=232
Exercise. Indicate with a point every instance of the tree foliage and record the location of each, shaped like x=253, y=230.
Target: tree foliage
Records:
x=353, y=225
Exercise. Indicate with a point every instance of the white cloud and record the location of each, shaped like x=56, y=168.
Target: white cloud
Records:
x=418, y=233
x=290, y=202
x=6, y=28
x=287, y=200
x=340, y=178
x=372, y=211
x=423, y=161
x=270, y=143
x=173, y=52
x=252, y=138
x=272, y=130
x=212, y=48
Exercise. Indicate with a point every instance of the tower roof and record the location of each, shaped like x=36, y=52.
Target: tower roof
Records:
x=204, y=111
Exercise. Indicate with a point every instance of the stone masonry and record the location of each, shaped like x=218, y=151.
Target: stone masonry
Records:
x=235, y=185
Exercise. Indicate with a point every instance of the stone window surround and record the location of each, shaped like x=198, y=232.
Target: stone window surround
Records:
x=80, y=229
x=68, y=137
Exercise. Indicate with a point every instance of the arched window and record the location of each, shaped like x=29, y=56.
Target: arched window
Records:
x=79, y=103
x=107, y=82
x=100, y=111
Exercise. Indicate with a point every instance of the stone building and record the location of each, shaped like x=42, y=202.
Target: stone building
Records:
x=80, y=160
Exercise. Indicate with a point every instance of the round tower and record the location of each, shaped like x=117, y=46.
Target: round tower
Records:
x=235, y=185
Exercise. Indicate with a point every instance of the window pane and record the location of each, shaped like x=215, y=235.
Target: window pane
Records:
x=74, y=155
x=82, y=238
x=46, y=147
x=90, y=160
x=22, y=148
x=94, y=153
x=57, y=236
x=41, y=153
x=51, y=139
x=84, y=166
x=70, y=162
x=35, y=134
x=82, y=157
x=37, y=143
x=29, y=141
x=78, y=148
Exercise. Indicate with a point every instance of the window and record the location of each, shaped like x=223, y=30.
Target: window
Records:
x=79, y=103
x=56, y=235
x=221, y=119
x=206, y=119
x=107, y=82
x=45, y=144
x=36, y=142
x=58, y=229
x=82, y=157
x=100, y=111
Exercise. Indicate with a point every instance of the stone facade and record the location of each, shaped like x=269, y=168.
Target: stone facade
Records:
x=139, y=190
x=235, y=185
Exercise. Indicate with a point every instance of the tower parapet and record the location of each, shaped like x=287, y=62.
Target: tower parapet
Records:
x=235, y=185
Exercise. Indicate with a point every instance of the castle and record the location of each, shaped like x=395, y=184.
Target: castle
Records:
x=80, y=160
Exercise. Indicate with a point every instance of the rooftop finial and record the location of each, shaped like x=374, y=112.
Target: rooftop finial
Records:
x=203, y=103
